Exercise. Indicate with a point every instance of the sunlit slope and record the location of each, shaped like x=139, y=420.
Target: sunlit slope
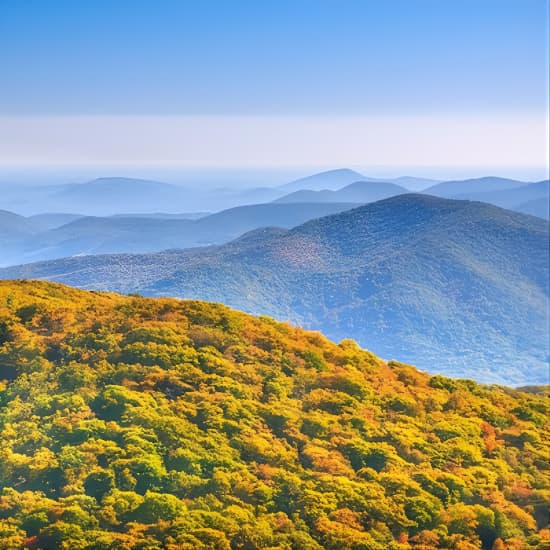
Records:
x=128, y=422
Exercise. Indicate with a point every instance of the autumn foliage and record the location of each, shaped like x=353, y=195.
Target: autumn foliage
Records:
x=134, y=423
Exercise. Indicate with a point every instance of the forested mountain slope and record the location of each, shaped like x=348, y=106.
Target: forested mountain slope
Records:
x=455, y=287
x=135, y=423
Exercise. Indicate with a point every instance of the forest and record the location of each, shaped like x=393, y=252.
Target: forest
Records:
x=138, y=423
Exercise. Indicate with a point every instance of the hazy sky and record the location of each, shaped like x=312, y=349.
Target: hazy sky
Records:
x=274, y=82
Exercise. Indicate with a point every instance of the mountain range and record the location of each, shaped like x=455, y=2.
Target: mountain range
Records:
x=360, y=192
x=333, y=180
x=456, y=188
x=530, y=198
x=452, y=286
x=25, y=241
x=109, y=196
x=55, y=235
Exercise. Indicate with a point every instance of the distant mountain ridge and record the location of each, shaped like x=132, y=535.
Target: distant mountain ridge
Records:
x=331, y=179
x=115, y=195
x=450, y=189
x=527, y=197
x=513, y=197
x=12, y=225
x=456, y=287
x=42, y=236
x=96, y=235
x=535, y=207
x=112, y=195
x=360, y=192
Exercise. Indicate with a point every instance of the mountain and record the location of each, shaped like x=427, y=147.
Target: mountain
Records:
x=512, y=198
x=255, y=195
x=47, y=220
x=413, y=183
x=452, y=286
x=14, y=230
x=331, y=179
x=115, y=195
x=245, y=218
x=100, y=197
x=13, y=225
x=535, y=207
x=358, y=192
x=137, y=423
x=530, y=198
x=109, y=196
x=460, y=188
x=95, y=235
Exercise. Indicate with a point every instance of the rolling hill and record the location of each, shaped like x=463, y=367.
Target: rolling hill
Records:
x=94, y=235
x=333, y=180
x=132, y=423
x=529, y=198
x=47, y=220
x=14, y=230
x=109, y=196
x=360, y=192
x=115, y=195
x=413, y=183
x=455, y=287
x=330, y=179
x=13, y=225
x=516, y=197
x=457, y=188
x=535, y=207
x=99, y=197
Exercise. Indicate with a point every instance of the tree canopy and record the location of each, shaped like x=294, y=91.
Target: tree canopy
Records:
x=136, y=423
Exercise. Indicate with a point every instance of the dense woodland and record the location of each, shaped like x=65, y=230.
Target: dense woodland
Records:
x=136, y=423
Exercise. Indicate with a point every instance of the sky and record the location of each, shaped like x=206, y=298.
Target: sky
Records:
x=274, y=82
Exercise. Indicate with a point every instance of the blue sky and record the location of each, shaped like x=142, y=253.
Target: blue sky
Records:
x=453, y=59
x=273, y=56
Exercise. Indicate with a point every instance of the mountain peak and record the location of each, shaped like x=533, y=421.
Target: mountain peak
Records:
x=329, y=179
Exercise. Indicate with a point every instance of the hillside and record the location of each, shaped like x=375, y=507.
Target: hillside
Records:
x=414, y=183
x=98, y=235
x=361, y=192
x=330, y=179
x=132, y=423
x=535, y=207
x=14, y=230
x=48, y=220
x=455, y=287
x=336, y=179
x=107, y=196
x=99, y=197
x=13, y=226
x=456, y=188
x=529, y=198
x=516, y=197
